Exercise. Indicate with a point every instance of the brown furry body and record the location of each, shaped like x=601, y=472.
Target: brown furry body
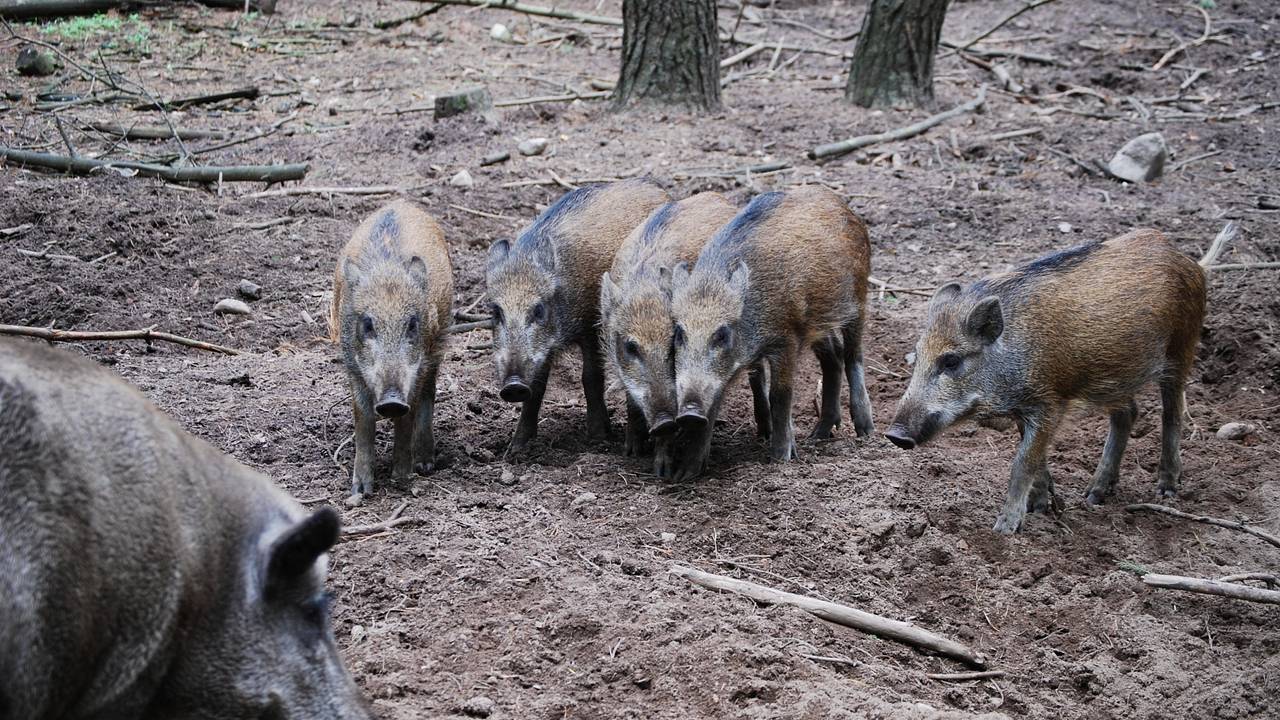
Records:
x=139, y=566
x=392, y=306
x=635, y=304
x=545, y=294
x=789, y=271
x=1089, y=326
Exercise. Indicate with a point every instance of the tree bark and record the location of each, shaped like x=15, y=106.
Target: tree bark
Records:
x=670, y=54
x=893, y=62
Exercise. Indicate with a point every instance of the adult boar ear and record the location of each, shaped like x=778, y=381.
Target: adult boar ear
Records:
x=679, y=275
x=295, y=552
x=417, y=270
x=498, y=254
x=985, y=320
x=739, y=279
x=942, y=296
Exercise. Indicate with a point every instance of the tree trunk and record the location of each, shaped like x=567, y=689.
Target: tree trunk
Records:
x=670, y=54
x=893, y=62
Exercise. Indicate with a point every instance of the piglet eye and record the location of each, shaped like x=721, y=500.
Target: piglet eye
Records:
x=949, y=362
x=496, y=311
x=677, y=336
x=537, y=313
x=722, y=337
x=366, y=325
x=632, y=349
x=316, y=610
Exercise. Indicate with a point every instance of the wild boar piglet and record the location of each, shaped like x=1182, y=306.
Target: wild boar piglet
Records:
x=1088, y=326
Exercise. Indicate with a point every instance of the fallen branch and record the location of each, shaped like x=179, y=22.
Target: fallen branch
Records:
x=1212, y=587
x=324, y=190
x=1217, y=522
x=963, y=676
x=469, y=326
x=147, y=334
x=206, y=174
x=567, y=97
x=397, y=22
x=1195, y=158
x=154, y=132
x=515, y=6
x=384, y=526
x=839, y=614
x=245, y=92
x=1204, y=37
x=1008, y=18
x=1246, y=266
x=1267, y=578
x=1225, y=235
x=861, y=141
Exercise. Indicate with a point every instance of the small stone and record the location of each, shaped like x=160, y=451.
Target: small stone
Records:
x=1141, y=159
x=463, y=180
x=471, y=99
x=508, y=478
x=478, y=706
x=667, y=538
x=357, y=633
x=1235, y=431
x=33, y=62
x=585, y=498
x=1064, y=227
x=532, y=146
x=353, y=501
x=495, y=158
x=231, y=306
x=249, y=290
x=500, y=33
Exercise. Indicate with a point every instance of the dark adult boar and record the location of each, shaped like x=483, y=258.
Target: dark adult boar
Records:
x=544, y=291
x=1088, y=326
x=144, y=574
x=789, y=271
x=392, y=305
x=635, y=308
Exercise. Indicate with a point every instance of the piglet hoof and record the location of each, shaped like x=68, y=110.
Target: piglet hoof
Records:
x=1167, y=491
x=1007, y=523
x=424, y=468
x=1043, y=502
x=821, y=433
x=354, y=500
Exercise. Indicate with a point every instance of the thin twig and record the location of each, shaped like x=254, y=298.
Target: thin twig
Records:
x=331, y=190
x=1002, y=23
x=375, y=528
x=147, y=334
x=1217, y=522
x=1225, y=236
x=861, y=141
x=1204, y=37
x=1212, y=587
x=515, y=6
x=963, y=676
x=469, y=326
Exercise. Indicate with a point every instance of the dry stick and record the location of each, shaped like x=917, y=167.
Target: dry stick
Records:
x=742, y=55
x=839, y=614
x=1225, y=236
x=1196, y=158
x=1212, y=587
x=963, y=676
x=1267, y=578
x=1246, y=266
x=148, y=334
x=539, y=10
x=1204, y=37
x=1002, y=23
x=154, y=132
x=1229, y=524
x=397, y=22
x=469, y=326
x=384, y=526
x=322, y=190
x=245, y=92
x=568, y=97
x=861, y=141
x=208, y=174
x=820, y=33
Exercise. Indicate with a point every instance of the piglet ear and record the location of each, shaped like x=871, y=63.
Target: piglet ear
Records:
x=417, y=270
x=296, y=551
x=609, y=291
x=544, y=256
x=985, y=321
x=740, y=279
x=943, y=295
x=679, y=275
x=498, y=254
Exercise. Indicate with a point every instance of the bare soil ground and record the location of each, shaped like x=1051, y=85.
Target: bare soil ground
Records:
x=548, y=592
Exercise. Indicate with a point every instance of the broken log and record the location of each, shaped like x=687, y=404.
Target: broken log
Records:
x=35, y=9
x=1212, y=587
x=1217, y=522
x=206, y=174
x=895, y=630
x=147, y=334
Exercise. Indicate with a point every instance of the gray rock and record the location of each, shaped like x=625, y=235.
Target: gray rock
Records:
x=249, y=290
x=500, y=33
x=667, y=538
x=495, y=158
x=533, y=146
x=471, y=99
x=479, y=706
x=231, y=306
x=33, y=62
x=463, y=180
x=1141, y=159
x=585, y=498
x=1235, y=431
